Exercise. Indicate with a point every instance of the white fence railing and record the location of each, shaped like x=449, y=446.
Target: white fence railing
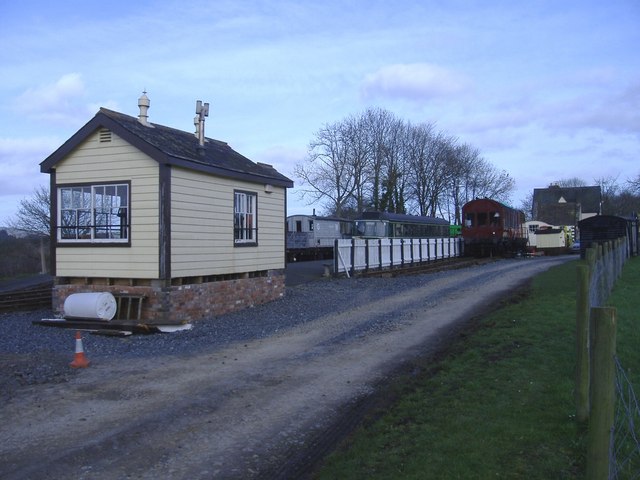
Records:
x=356, y=254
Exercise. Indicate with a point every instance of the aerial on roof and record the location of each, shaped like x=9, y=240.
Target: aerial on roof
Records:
x=173, y=147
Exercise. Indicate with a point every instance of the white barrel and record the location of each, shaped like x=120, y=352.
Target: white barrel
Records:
x=95, y=306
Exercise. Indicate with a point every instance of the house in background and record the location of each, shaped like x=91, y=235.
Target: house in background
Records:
x=566, y=206
x=181, y=220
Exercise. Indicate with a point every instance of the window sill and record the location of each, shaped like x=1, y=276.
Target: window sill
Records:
x=245, y=244
x=85, y=243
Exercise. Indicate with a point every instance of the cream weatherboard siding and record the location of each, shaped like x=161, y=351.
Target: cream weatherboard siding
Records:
x=202, y=226
x=95, y=162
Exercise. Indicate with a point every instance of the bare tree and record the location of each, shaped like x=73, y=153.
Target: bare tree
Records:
x=378, y=124
x=527, y=206
x=609, y=190
x=418, y=143
x=570, y=182
x=480, y=179
x=327, y=171
x=378, y=161
x=33, y=216
x=394, y=180
x=461, y=166
x=358, y=156
x=634, y=184
x=495, y=184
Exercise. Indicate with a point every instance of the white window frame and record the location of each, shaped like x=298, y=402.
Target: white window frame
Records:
x=245, y=218
x=93, y=220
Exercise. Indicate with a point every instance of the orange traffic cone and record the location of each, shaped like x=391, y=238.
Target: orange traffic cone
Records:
x=79, y=361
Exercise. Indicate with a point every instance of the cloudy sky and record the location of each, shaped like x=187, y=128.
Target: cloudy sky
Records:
x=545, y=90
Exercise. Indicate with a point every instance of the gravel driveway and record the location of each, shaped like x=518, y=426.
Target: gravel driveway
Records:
x=246, y=395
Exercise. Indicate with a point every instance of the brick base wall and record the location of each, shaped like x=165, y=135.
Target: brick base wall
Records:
x=185, y=303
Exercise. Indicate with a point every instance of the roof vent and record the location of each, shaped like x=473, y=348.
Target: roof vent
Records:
x=201, y=112
x=104, y=135
x=143, y=104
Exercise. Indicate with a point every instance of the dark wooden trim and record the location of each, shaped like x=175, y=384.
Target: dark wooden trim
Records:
x=84, y=244
x=164, y=212
x=226, y=173
x=100, y=120
x=284, y=237
x=53, y=221
x=97, y=183
x=244, y=244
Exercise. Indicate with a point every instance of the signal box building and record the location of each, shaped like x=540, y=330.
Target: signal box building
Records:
x=182, y=223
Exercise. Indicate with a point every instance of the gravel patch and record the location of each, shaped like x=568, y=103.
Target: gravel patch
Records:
x=34, y=354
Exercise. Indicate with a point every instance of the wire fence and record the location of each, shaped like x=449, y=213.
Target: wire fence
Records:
x=624, y=461
x=606, y=268
x=604, y=395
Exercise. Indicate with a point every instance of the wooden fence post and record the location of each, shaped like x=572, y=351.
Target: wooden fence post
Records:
x=582, y=344
x=602, y=392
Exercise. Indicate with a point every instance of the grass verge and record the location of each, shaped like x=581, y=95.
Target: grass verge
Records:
x=499, y=403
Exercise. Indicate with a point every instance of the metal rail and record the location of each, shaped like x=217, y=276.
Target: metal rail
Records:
x=25, y=299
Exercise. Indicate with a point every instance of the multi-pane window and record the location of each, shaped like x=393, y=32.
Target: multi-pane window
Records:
x=245, y=230
x=93, y=213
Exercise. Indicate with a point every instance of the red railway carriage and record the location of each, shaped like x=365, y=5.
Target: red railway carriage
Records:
x=491, y=228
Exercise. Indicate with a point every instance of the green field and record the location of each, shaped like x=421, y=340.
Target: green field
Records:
x=500, y=403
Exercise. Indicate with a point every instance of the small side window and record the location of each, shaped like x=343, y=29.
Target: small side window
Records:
x=245, y=222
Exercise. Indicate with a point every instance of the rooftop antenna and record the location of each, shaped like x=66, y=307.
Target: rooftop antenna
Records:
x=202, y=110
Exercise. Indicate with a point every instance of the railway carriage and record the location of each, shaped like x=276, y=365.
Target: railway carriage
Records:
x=492, y=228
x=396, y=225
x=311, y=237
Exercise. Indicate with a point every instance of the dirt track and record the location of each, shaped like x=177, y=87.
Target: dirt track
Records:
x=243, y=412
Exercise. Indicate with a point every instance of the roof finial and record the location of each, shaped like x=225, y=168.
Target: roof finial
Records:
x=143, y=104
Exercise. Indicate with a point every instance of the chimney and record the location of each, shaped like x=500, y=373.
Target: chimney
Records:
x=143, y=104
x=201, y=112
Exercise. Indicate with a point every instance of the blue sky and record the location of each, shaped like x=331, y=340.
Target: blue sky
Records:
x=545, y=90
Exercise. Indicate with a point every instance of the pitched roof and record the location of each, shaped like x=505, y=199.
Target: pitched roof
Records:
x=588, y=197
x=557, y=213
x=170, y=146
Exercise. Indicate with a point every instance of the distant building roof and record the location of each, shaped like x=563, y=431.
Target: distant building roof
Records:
x=174, y=147
x=320, y=217
x=565, y=205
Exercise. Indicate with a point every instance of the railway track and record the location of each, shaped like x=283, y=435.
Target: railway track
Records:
x=33, y=297
x=434, y=266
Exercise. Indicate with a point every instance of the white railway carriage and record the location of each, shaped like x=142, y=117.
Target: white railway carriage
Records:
x=311, y=237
